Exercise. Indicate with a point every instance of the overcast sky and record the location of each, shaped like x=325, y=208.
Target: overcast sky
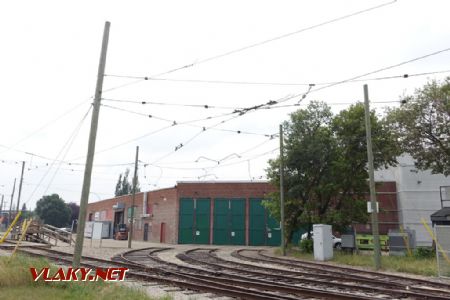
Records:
x=48, y=67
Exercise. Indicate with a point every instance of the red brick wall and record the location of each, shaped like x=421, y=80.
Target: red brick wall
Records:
x=163, y=205
x=386, y=194
x=107, y=205
x=224, y=189
x=166, y=211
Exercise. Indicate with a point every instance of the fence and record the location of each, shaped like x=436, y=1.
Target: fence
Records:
x=442, y=233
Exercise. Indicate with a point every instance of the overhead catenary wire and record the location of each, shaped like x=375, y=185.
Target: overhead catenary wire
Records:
x=183, y=144
x=289, y=97
x=57, y=157
x=12, y=147
x=189, y=122
x=243, y=160
x=253, y=45
x=174, y=122
x=68, y=147
x=303, y=95
x=404, y=76
x=144, y=102
x=273, y=103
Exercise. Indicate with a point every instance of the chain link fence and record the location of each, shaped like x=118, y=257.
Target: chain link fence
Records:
x=442, y=233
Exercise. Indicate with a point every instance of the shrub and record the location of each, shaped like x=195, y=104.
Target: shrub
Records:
x=306, y=246
x=424, y=252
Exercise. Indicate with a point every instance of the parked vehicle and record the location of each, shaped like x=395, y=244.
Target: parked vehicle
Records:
x=337, y=242
x=67, y=229
x=121, y=232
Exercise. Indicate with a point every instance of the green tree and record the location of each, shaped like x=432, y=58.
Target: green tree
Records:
x=25, y=213
x=124, y=186
x=326, y=166
x=53, y=210
x=422, y=126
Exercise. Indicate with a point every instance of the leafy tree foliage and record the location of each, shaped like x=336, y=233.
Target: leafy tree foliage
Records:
x=53, y=210
x=25, y=213
x=124, y=186
x=326, y=166
x=422, y=126
x=74, y=211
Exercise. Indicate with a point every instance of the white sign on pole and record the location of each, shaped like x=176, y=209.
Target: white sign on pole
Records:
x=369, y=207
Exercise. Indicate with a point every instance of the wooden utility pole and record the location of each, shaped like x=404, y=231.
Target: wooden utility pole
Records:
x=11, y=204
x=373, y=200
x=20, y=187
x=91, y=151
x=130, y=236
x=1, y=205
x=283, y=245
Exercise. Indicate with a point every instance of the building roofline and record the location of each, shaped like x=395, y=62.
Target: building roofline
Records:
x=223, y=181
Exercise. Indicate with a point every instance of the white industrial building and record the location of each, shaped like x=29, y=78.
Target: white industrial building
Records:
x=418, y=195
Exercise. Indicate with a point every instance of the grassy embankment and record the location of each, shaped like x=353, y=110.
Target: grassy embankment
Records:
x=16, y=283
x=404, y=264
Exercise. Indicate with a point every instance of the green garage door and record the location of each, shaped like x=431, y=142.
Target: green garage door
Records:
x=202, y=221
x=229, y=221
x=194, y=221
x=264, y=230
x=257, y=226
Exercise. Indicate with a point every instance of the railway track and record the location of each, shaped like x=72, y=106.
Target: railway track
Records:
x=353, y=284
x=211, y=274
x=382, y=278
x=153, y=272
x=262, y=286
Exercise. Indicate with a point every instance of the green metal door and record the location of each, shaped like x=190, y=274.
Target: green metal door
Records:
x=263, y=229
x=229, y=221
x=257, y=220
x=194, y=221
x=202, y=221
x=221, y=222
x=237, y=221
x=186, y=221
x=273, y=231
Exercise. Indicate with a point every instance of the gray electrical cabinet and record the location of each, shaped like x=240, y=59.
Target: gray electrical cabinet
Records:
x=323, y=242
x=399, y=242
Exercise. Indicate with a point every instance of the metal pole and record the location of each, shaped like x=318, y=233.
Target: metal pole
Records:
x=130, y=237
x=10, y=205
x=1, y=206
x=282, y=225
x=91, y=150
x=1, y=211
x=373, y=200
x=20, y=187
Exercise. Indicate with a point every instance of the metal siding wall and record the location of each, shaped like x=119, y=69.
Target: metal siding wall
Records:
x=257, y=226
x=221, y=222
x=186, y=224
x=229, y=221
x=237, y=224
x=202, y=221
x=264, y=230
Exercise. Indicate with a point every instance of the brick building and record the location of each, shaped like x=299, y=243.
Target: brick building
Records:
x=192, y=208
x=221, y=213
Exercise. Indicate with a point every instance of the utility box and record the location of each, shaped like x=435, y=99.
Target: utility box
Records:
x=400, y=242
x=348, y=239
x=323, y=242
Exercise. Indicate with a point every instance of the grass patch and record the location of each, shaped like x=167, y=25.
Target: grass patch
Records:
x=16, y=283
x=404, y=264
